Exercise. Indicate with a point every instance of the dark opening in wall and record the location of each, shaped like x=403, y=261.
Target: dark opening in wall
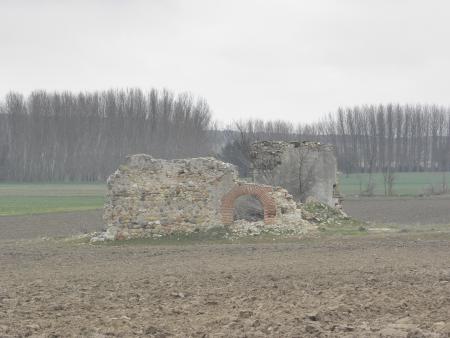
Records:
x=249, y=208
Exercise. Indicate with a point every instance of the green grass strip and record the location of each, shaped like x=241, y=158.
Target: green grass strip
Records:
x=30, y=205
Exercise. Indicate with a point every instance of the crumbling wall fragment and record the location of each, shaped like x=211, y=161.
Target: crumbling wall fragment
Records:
x=148, y=197
x=305, y=169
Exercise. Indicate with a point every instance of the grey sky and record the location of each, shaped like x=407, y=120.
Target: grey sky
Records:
x=276, y=59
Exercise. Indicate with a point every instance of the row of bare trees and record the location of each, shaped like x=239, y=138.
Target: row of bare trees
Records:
x=403, y=138
x=383, y=138
x=65, y=136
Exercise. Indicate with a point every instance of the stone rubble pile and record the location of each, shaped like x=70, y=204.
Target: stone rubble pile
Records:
x=316, y=212
x=297, y=227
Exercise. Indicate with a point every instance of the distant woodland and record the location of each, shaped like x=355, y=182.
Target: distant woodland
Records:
x=84, y=137
x=68, y=136
x=368, y=139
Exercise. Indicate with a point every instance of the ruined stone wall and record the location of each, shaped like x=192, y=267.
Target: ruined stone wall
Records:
x=148, y=197
x=305, y=169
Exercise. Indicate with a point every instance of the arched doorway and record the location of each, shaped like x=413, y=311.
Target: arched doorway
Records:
x=248, y=208
x=260, y=192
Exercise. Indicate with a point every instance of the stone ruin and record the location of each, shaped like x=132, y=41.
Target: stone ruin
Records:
x=308, y=170
x=150, y=197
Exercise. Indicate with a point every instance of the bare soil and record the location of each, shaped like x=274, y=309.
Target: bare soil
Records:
x=370, y=285
x=50, y=225
x=401, y=210
x=356, y=287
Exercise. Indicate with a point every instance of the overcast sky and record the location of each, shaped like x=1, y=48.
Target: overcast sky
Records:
x=295, y=60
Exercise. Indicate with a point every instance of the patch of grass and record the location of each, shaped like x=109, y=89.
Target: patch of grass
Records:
x=343, y=231
x=406, y=184
x=213, y=235
x=187, y=240
x=52, y=189
x=419, y=228
x=28, y=205
x=41, y=198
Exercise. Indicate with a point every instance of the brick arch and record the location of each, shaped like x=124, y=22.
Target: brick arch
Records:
x=260, y=192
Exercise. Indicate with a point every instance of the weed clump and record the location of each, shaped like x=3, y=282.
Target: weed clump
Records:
x=322, y=214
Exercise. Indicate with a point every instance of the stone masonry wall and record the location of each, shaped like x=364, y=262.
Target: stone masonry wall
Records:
x=148, y=197
x=305, y=169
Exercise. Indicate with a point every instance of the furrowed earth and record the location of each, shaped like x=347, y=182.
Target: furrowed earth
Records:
x=377, y=282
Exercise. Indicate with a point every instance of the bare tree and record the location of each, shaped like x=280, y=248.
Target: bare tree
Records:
x=388, y=179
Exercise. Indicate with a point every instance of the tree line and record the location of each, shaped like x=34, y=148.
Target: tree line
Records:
x=402, y=138
x=65, y=136
x=366, y=138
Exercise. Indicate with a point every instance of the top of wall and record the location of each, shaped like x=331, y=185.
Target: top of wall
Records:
x=281, y=146
x=144, y=161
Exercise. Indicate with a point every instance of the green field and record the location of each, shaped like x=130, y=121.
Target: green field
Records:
x=41, y=198
x=405, y=184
